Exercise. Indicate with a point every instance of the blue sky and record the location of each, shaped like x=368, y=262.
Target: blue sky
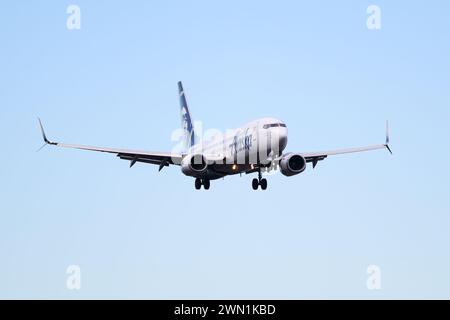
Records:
x=137, y=233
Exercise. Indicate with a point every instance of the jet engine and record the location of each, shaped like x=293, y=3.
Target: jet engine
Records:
x=292, y=164
x=194, y=165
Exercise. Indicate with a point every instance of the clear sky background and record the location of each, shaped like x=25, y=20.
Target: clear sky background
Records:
x=137, y=233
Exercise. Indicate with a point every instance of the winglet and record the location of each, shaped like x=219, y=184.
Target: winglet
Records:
x=387, y=137
x=43, y=134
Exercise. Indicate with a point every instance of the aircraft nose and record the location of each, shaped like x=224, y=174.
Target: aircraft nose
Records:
x=283, y=138
x=279, y=139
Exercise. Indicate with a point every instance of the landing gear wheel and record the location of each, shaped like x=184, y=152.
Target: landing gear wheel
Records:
x=255, y=184
x=198, y=184
x=206, y=184
x=263, y=184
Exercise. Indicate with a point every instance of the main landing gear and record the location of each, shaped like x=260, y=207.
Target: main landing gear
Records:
x=259, y=182
x=202, y=182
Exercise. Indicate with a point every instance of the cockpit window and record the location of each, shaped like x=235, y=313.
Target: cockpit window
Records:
x=274, y=125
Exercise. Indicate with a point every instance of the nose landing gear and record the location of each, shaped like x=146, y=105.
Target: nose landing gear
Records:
x=202, y=182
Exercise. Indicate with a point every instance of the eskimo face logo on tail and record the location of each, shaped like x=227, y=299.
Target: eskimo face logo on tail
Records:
x=186, y=121
x=187, y=126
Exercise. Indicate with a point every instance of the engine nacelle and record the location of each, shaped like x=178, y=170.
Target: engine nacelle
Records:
x=292, y=164
x=194, y=165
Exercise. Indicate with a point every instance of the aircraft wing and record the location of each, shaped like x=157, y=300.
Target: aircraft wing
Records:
x=162, y=159
x=314, y=157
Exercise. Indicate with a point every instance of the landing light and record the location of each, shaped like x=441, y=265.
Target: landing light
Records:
x=234, y=167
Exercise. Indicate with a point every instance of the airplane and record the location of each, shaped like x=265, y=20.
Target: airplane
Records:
x=253, y=148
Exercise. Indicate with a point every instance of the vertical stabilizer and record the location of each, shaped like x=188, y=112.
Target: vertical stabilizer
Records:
x=186, y=119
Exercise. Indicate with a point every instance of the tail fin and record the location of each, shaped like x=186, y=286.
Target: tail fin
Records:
x=186, y=120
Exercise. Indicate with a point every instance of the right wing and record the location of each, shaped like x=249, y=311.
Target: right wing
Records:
x=162, y=159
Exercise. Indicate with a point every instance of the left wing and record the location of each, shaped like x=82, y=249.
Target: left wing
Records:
x=163, y=159
x=314, y=157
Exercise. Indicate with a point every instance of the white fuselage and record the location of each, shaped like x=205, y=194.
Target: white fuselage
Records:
x=257, y=142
